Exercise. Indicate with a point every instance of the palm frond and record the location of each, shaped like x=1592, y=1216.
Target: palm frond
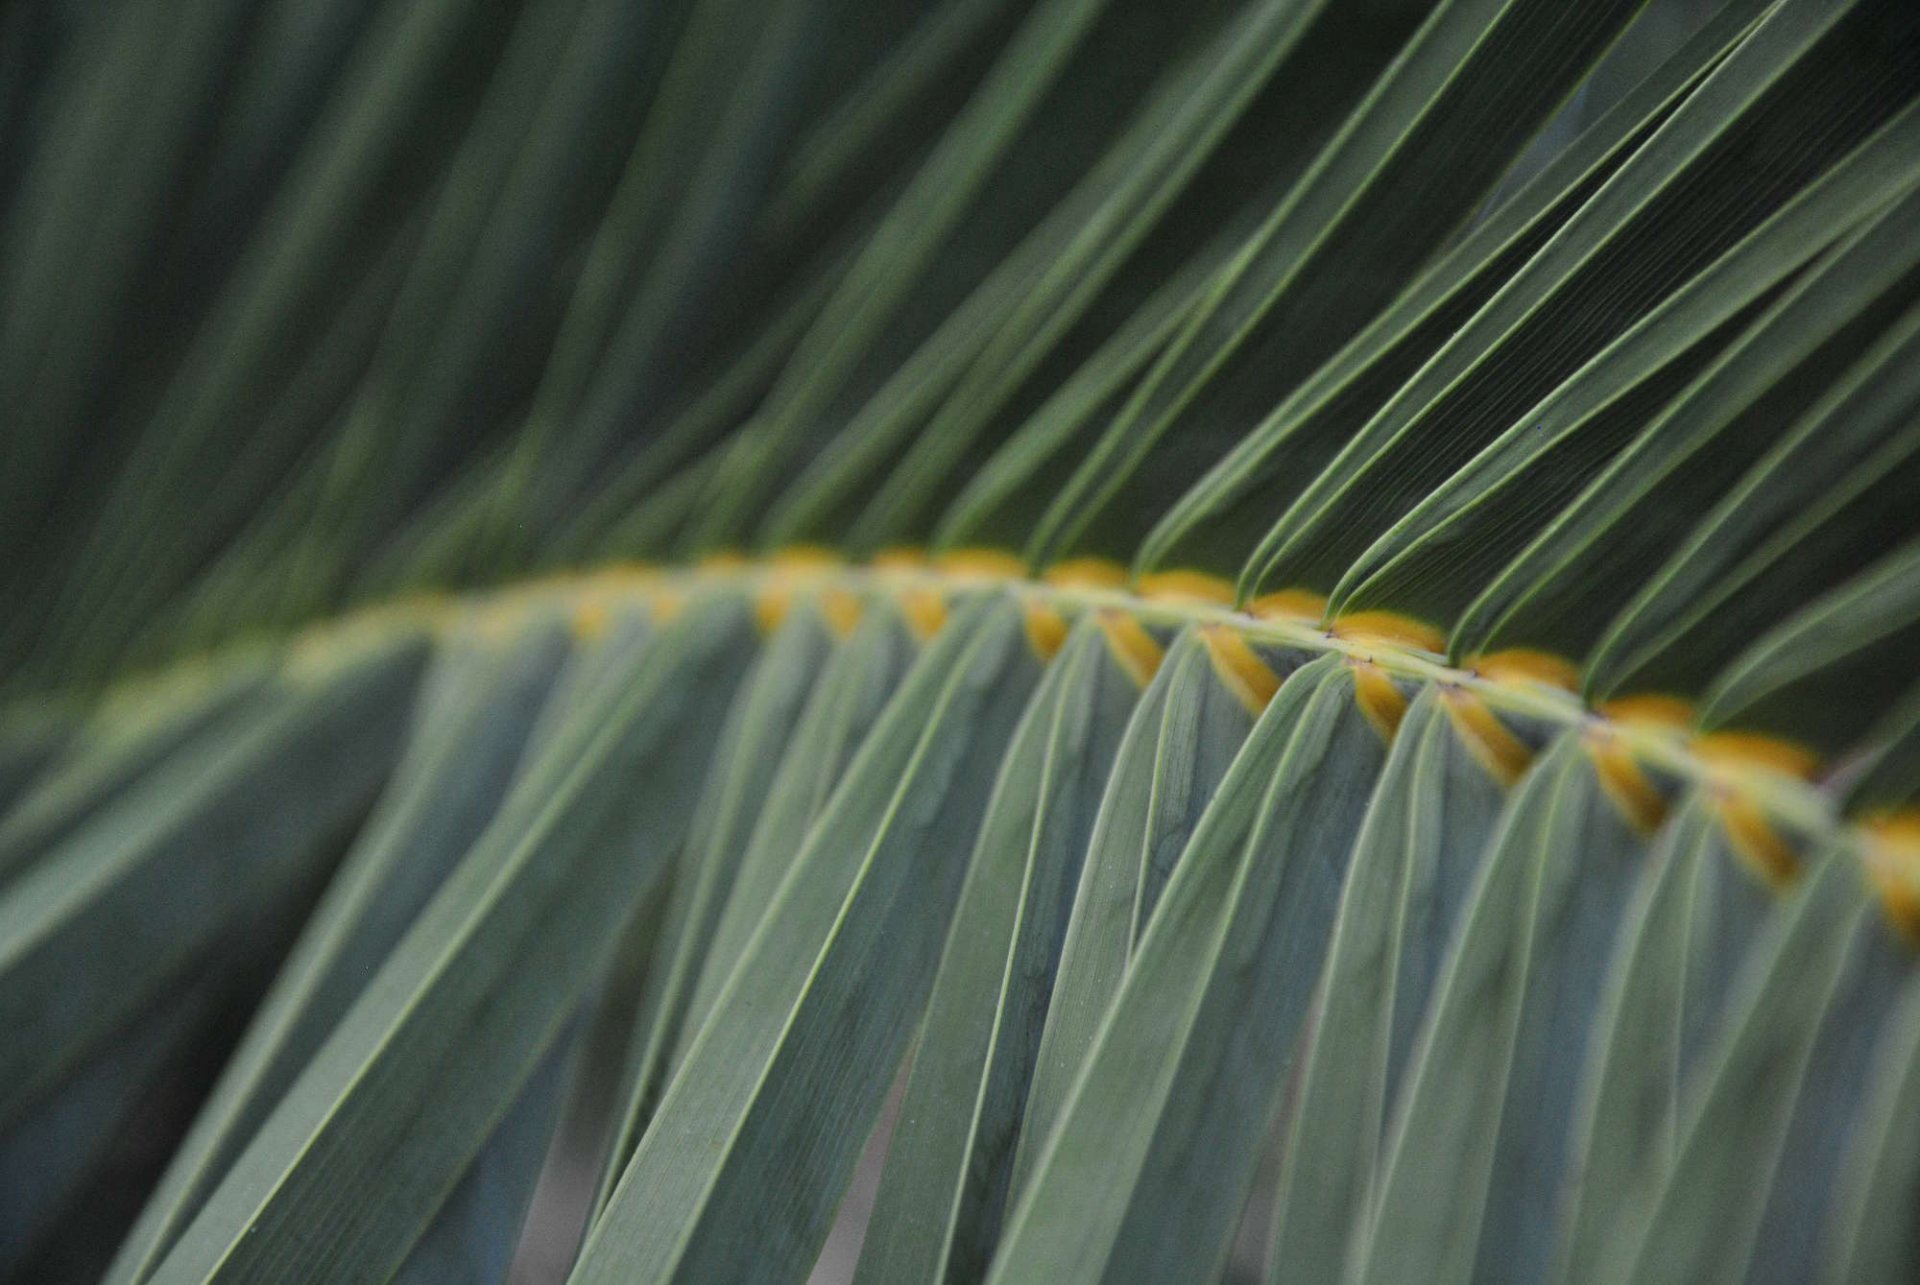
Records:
x=990, y=640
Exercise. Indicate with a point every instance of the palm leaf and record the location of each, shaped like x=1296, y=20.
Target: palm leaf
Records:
x=1003, y=640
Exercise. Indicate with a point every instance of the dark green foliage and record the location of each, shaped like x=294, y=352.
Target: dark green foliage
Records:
x=962, y=640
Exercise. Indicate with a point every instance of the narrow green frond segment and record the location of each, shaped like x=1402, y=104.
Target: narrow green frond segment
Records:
x=1136, y=215
x=1696, y=350
x=1414, y=862
x=145, y=893
x=1490, y=1081
x=853, y=691
x=1684, y=198
x=1804, y=676
x=944, y=1190
x=116, y=747
x=477, y=1231
x=1669, y=987
x=1821, y=334
x=829, y=986
x=1217, y=522
x=446, y=1035
x=1790, y=528
x=994, y=170
x=1803, y=1013
x=1872, y=1240
x=1414, y=158
x=745, y=758
x=471, y=719
x=1889, y=778
x=1185, y=732
x=1243, y=922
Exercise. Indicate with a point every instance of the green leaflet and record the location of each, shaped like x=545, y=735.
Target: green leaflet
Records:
x=364, y=445
x=1423, y=148
x=1185, y=731
x=1206, y=723
x=1693, y=452
x=447, y=1033
x=222, y=136
x=829, y=987
x=1798, y=1207
x=1431, y=562
x=117, y=746
x=476, y=707
x=532, y=174
x=828, y=189
x=929, y=70
x=1467, y=1187
x=1871, y=1239
x=950, y=1163
x=1228, y=509
x=140, y=896
x=812, y=502
x=295, y=51
x=117, y=154
x=476, y=1232
x=1413, y=864
x=240, y=589
x=996, y=168
x=231, y=368
x=852, y=691
x=745, y=762
x=1822, y=675
x=1013, y=485
x=1667, y=990
x=673, y=232
x=1094, y=259
x=1889, y=770
x=1612, y=263
x=593, y=674
x=1706, y=1219
x=619, y=519
x=1002, y=434
x=1144, y=1174
x=1804, y=516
